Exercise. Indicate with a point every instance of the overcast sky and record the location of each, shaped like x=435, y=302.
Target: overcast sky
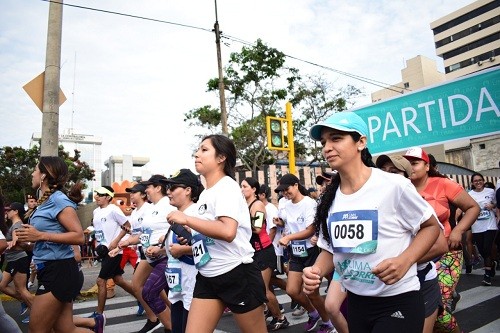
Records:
x=133, y=80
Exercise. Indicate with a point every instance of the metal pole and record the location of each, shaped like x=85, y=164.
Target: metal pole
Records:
x=50, y=118
x=221, y=75
x=291, y=144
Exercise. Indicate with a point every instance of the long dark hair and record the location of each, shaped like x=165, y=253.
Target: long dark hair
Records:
x=254, y=183
x=224, y=147
x=3, y=225
x=57, y=175
x=328, y=195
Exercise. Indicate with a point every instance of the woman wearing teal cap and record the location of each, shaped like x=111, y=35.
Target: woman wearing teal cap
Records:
x=373, y=238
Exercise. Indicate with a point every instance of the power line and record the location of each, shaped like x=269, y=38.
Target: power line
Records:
x=241, y=41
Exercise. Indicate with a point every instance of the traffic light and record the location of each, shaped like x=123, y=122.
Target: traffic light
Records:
x=276, y=133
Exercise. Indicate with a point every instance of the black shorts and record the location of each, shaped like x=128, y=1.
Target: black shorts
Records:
x=432, y=296
x=59, y=277
x=297, y=264
x=265, y=258
x=391, y=314
x=21, y=265
x=241, y=289
x=110, y=267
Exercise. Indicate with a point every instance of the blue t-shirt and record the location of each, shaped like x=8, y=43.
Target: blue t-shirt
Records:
x=45, y=219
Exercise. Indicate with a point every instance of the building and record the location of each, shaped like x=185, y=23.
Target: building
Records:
x=90, y=150
x=418, y=73
x=125, y=167
x=468, y=39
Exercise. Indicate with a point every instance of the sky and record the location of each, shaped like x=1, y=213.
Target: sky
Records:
x=130, y=81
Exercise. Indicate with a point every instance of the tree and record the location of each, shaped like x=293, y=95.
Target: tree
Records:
x=17, y=164
x=258, y=84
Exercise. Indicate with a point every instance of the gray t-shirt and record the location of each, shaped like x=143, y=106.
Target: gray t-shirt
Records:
x=13, y=255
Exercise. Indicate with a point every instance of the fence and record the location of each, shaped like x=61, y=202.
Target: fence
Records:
x=270, y=175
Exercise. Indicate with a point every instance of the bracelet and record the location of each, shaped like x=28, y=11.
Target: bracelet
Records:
x=127, y=230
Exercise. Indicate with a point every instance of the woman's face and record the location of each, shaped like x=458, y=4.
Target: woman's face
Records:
x=179, y=195
x=205, y=158
x=153, y=193
x=391, y=168
x=291, y=192
x=419, y=169
x=339, y=148
x=36, y=178
x=246, y=190
x=136, y=197
x=478, y=183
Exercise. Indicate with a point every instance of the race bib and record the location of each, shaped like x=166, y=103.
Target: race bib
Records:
x=299, y=248
x=173, y=273
x=99, y=236
x=484, y=214
x=145, y=236
x=354, y=231
x=200, y=252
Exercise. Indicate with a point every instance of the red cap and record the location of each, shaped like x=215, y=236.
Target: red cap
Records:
x=416, y=153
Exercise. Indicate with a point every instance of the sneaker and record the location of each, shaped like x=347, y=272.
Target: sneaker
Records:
x=493, y=268
x=24, y=308
x=298, y=312
x=30, y=284
x=267, y=314
x=100, y=322
x=26, y=320
x=276, y=324
x=150, y=326
x=487, y=280
x=312, y=323
x=324, y=328
x=93, y=314
x=282, y=309
x=455, y=301
x=293, y=305
x=140, y=309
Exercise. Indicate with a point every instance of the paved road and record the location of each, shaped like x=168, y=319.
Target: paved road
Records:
x=477, y=312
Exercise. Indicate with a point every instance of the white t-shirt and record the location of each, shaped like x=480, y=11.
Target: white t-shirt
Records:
x=225, y=199
x=487, y=219
x=271, y=213
x=1, y=235
x=154, y=221
x=298, y=216
x=137, y=216
x=386, y=212
x=188, y=272
x=107, y=222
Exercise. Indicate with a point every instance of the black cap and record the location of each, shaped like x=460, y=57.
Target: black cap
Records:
x=264, y=189
x=183, y=177
x=19, y=207
x=286, y=181
x=324, y=176
x=312, y=189
x=154, y=180
x=141, y=187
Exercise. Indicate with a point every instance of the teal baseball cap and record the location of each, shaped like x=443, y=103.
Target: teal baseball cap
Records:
x=346, y=121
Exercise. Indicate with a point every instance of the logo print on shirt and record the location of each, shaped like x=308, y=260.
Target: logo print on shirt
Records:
x=155, y=212
x=103, y=219
x=202, y=209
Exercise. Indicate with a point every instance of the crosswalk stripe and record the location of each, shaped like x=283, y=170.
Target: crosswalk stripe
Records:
x=475, y=296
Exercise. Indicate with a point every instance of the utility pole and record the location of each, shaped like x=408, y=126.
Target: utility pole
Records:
x=50, y=118
x=222, y=96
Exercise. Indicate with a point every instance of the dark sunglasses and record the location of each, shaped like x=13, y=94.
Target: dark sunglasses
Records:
x=101, y=195
x=174, y=187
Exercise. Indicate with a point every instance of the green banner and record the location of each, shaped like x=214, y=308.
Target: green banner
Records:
x=467, y=107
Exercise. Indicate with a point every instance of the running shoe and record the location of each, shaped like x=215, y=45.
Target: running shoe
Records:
x=100, y=322
x=493, y=268
x=93, y=314
x=24, y=308
x=312, y=323
x=324, y=328
x=487, y=280
x=140, y=309
x=282, y=309
x=299, y=311
x=277, y=324
x=150, y=326
x=26, y=320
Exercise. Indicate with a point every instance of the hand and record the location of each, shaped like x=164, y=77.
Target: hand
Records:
x=113, y=245
x=153, y=251
x=176, y=250
x=28, y=233
x=314, y=240
x=177, y=217
x=284, y=241
x=123, y=243
x=455, y=239
x=114, y=252
x=391, y=270
x=311, y=278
